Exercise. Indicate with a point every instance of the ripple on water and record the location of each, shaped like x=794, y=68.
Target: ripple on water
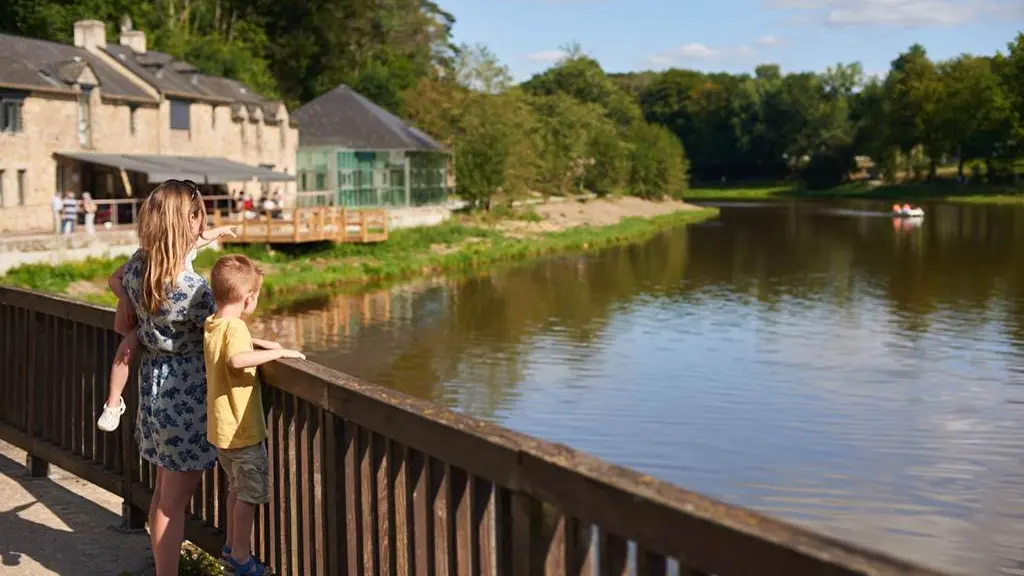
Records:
x=823, y=367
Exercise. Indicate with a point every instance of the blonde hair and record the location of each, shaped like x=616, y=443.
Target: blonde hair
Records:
x=233, y=278
x=166, y=237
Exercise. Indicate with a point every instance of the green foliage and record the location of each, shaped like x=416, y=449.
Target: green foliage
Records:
x=658, y=164
x=57, y=278
x=573, y=127
x=482, y=151
x=293, y=50
x=195, y=562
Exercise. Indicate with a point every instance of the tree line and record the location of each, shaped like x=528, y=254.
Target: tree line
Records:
x=813, y=125
x=574, y=127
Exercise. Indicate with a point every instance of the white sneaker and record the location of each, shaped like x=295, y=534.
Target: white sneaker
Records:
x=111, y=417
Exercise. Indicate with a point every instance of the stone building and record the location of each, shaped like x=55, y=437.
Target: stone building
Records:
x=115, y=119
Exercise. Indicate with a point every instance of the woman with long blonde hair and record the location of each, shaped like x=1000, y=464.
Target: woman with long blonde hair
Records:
x=171, y=303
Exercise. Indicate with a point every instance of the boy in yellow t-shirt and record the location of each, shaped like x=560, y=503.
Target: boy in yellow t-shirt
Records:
x=236, y=425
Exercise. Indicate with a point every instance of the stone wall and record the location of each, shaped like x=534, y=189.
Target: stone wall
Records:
x=50, y=124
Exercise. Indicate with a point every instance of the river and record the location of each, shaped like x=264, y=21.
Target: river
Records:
x=812, y=360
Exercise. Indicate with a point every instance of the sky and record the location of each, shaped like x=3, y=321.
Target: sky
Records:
x=732, y=35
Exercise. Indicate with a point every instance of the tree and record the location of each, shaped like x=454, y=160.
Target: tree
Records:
x=658, y=162
x=582, y=78
x=913, y=91
x=482, y=151
x=976, y=112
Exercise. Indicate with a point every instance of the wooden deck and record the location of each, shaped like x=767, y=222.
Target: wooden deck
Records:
x=304, y=225
x=369, y=481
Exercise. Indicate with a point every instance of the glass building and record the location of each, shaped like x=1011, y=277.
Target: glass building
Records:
x=354, y=153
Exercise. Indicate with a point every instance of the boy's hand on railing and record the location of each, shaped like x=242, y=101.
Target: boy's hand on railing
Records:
x=293, y=354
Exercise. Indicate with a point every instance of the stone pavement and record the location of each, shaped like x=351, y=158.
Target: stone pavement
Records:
x=62, y=525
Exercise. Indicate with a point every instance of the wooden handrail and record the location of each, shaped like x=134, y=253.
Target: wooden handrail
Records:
x=367, y=478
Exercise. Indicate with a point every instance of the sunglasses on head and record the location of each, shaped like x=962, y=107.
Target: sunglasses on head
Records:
x=188, y=184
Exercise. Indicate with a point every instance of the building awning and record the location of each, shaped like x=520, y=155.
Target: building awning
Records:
x=200, y=169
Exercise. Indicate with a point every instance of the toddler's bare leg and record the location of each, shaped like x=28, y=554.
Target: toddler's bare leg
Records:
x=121, y=368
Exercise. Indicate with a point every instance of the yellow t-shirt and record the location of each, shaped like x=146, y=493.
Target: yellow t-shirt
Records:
x=234, y=403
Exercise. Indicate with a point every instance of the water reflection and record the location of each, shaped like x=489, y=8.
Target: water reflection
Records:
x=819, y=361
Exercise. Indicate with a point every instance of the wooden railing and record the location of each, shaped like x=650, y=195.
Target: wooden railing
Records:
x=320, y=224
x=369, y=481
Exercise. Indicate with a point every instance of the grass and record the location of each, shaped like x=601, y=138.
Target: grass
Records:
x=976, y=193
x=945, y=190
x=746, y=191
x=300, y=273
x=450, y=247
x=194, y=562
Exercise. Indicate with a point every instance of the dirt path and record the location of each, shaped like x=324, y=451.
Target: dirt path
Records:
x=571, y=213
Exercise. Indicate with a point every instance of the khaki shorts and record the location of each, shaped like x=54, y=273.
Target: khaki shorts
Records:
x=247, y=472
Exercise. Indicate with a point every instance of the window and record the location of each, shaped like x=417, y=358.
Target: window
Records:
x=1, y=187
x=132, y=112
x=21, y=187
x=213, y=117
x=181, y=112
x=321, y=181
x=284, y=134
x=84, y=119
x=10, y=112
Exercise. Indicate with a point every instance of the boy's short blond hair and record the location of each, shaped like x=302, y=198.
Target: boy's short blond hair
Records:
x=233, y=278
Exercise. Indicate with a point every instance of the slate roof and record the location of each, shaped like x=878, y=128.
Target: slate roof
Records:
x=162, y=71
x=345, y=118
x=38, y=64
x=241, y=95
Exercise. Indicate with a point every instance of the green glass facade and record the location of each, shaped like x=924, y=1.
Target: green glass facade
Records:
x=372, y=179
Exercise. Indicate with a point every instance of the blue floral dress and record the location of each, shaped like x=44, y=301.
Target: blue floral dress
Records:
x=171, y=427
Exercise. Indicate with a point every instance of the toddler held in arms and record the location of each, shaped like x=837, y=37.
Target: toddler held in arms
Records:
x=124, y=324
x=234, y=405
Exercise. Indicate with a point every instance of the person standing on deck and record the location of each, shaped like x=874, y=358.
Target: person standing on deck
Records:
x=69, y=213
x=236, y=424
x=89, y=207
x=171, y=304
x=57, y=205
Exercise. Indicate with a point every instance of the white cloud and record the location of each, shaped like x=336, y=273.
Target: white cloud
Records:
x=696, y=52
x=546, y=56
x=896, y=13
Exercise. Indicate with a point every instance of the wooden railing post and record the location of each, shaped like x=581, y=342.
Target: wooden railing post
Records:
x=35, y=466
x=133, y=518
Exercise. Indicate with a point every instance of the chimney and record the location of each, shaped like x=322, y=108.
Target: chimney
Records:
x=134, y=39
x=90, y=34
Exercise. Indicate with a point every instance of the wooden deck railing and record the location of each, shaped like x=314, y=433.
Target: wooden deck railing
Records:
x=369, y=481
x=319, y=224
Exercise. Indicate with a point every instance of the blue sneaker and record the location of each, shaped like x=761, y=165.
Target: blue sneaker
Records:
x=225, y=555
x=250, y=568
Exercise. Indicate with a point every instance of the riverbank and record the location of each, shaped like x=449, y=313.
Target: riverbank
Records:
x=462, y=244
x=943, y=190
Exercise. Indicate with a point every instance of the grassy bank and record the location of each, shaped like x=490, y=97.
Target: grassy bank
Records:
x=740, y=191
x=942, y=190
x=410, y=253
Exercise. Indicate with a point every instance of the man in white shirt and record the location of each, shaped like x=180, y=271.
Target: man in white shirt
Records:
x=57, y=204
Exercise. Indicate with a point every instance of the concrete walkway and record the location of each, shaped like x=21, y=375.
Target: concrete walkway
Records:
x=62, y=525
